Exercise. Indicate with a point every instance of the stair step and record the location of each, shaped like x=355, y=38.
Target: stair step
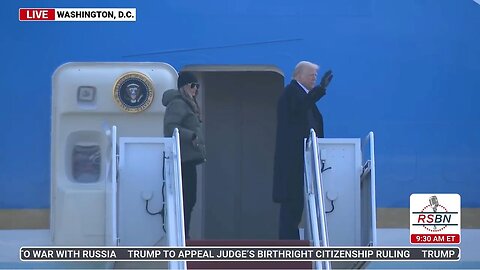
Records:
x=248, y=264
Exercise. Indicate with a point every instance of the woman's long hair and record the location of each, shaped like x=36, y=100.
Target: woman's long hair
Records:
x=192, y=101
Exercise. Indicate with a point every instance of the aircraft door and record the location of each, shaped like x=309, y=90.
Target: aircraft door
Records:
x=87, y=98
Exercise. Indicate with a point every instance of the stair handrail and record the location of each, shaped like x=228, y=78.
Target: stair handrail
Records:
x=314, y=195
x=175, y=213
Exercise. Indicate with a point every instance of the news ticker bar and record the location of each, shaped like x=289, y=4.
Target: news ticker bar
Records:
x=78, y=14
x=239, y=253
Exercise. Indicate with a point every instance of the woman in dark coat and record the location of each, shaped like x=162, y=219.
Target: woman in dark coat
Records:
x=183, y=113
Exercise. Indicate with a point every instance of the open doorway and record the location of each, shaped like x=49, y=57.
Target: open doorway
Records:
x=238, y=106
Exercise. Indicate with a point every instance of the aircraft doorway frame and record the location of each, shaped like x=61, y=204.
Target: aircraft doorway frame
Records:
x=236, y=101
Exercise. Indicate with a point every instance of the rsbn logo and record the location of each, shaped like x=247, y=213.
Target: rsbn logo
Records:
x=434, y=218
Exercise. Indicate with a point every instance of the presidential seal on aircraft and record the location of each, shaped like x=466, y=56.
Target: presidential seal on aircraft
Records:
x=133, y=92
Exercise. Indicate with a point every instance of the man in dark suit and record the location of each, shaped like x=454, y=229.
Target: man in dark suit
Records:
x=296, y=115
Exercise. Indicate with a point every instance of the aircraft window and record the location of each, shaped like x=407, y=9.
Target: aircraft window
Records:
x=86, y=163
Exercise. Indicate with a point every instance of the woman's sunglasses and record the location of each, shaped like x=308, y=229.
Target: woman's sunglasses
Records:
x=193, y=85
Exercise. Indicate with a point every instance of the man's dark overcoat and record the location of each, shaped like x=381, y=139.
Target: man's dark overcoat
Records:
x=296, y=114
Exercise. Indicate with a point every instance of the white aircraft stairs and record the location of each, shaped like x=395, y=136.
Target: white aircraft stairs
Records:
x=340, y=195
x=339, y=198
